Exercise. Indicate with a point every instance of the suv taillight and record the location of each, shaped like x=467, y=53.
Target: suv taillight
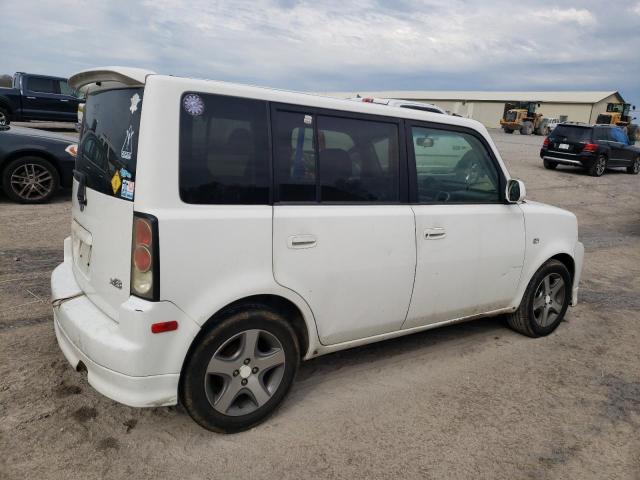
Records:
x=546, y=142
x=145, y=268
x=590, y=148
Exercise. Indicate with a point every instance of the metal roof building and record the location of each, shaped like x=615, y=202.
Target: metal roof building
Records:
x=489, y=107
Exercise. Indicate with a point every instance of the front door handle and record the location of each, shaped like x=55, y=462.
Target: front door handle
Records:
x=434, y=233
x=302, y=241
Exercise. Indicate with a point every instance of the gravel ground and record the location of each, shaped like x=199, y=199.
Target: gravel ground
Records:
x=474, y=400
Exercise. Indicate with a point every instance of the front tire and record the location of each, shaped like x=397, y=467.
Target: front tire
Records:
x=241, y=370
x=635, y=168
x=549, y=165
x=544, y=302
x=598, y=166
x=30, y=180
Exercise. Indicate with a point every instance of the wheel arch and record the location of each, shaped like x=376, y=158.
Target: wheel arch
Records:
x=287, y=308
x=563, y=256
x=567, y=260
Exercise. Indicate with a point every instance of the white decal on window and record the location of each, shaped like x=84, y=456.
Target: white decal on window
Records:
x=193, y=104
x=135, y=100
x=127, y=149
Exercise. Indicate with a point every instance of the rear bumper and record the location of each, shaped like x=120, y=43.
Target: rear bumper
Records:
x=124, y=360
x=581, y=160
x=151, y=391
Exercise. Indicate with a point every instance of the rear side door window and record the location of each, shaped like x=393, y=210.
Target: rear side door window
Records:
x=224, y=150
x=325, y=158
x=358, y=159
x=453, y=167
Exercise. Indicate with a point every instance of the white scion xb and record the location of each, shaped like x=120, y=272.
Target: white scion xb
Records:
x=223, y=233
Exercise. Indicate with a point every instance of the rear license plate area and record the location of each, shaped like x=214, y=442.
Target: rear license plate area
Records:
x=81, y=242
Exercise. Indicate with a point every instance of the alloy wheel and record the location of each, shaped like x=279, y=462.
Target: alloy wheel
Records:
x=31, y=181
x=601, y=165
x=549, y=299
x=244, y=372
x=636, y=165
x=3, y=118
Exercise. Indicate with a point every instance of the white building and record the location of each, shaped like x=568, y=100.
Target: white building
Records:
x=489, y=107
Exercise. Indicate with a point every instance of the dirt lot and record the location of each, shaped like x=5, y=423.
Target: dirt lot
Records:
x=469, y=401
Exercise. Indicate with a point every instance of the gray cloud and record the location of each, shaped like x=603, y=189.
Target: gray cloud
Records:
x=335, y=45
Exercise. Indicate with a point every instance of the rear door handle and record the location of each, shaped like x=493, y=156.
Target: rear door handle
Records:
x=302, y=241
x=434, y=233
x=31, y=98
x=64, y=100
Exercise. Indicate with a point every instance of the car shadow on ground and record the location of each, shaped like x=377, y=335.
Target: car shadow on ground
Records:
x=456, y=339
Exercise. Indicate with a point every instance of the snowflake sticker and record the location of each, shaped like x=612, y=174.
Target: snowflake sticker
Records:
x=193, y=105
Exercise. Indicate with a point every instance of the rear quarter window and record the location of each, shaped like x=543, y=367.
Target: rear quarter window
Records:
x=224, y=150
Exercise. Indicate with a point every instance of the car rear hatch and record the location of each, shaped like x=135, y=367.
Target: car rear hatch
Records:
x=569, y=140
x=104, y=185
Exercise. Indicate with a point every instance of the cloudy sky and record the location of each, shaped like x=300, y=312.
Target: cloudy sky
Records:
x=339, y=45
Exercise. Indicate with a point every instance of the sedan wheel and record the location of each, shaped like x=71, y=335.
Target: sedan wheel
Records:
x=30, y=180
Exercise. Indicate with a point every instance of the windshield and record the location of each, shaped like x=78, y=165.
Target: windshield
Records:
x=108, y=144
x=571, y=133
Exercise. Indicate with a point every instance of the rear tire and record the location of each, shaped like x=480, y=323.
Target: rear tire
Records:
x=30, y=180
x=5, y=118
x=549, y=165
x=544, y=302
x=635, y=168
x=508, y=130
x=526, y=129
x=240, y=370
x=598, y=166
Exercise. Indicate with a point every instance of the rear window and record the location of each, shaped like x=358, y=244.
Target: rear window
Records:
x=108, y=146
x=224, y=150
x=572, y=133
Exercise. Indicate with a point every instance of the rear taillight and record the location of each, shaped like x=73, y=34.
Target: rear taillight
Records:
x=145, y=267
x=546, y=142
x=590, y=148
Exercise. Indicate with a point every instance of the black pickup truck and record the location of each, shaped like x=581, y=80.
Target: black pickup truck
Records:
x=38, y=97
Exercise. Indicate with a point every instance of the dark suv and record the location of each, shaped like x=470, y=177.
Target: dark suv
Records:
x=593, y=147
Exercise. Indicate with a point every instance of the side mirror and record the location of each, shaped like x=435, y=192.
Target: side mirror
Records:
x=424, y=141
x=516, y=191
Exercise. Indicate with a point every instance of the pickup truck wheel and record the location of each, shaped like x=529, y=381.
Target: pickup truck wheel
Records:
x=544, y=302
x=635, y=168
x=240, y=371
x=598, y=166
x=30, y=180
x=549, y=165
x=4, y=116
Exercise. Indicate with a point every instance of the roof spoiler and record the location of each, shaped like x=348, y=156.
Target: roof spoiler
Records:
x=131, y=77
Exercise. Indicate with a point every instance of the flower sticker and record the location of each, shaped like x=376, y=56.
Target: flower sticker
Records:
x=193, y=104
